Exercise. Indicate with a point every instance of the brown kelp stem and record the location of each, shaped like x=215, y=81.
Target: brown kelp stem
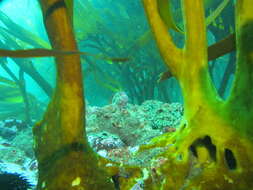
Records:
x=65, y=159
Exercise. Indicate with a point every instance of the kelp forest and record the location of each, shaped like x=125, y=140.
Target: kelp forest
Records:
x=170, y=80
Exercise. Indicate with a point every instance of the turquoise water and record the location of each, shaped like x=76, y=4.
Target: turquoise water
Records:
x=111, y=21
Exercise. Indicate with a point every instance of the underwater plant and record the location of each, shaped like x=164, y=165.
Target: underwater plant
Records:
x=212, y=148
x=138, y=76
x=17, y=37
x=14, y=98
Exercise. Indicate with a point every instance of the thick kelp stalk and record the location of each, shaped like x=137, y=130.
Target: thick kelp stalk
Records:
x=213, y=148
x=65, y=160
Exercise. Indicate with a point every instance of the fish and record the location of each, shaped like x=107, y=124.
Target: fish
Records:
x=4, y=143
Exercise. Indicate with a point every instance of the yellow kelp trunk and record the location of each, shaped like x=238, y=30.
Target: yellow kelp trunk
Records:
x=213, y=148
x=65, y=160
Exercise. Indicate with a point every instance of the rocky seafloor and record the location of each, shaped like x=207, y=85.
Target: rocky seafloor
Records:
x=115, y=131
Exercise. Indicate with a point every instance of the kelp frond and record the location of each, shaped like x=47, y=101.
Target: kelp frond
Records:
x=39, y=52
x=21, y=33
x=164, y=10
x=216, y=12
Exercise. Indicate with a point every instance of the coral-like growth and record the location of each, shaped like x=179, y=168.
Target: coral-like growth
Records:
x=134, y=124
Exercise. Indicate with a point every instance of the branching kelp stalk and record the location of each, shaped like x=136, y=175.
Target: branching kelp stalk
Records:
x=212, y=150
x=216, y=50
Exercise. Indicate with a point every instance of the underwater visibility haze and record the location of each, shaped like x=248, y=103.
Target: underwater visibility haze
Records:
x=126, y=95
